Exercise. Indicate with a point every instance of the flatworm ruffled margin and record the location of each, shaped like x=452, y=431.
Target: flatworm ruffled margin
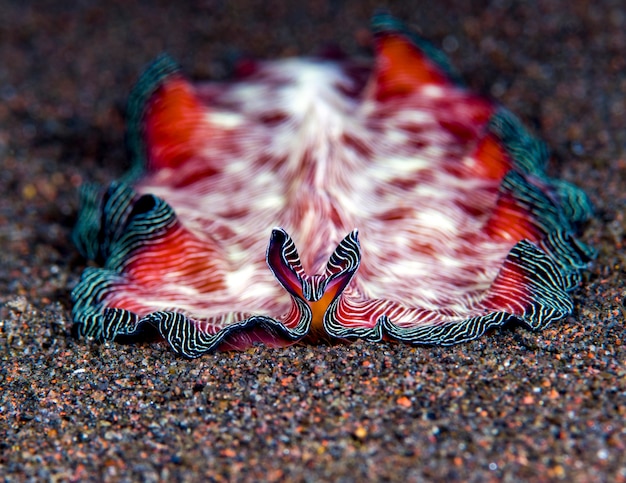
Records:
x=176, y=141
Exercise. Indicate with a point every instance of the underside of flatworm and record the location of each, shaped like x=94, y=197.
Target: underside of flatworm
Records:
x=237, y=223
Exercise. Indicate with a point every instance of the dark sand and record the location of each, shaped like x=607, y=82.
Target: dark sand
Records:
x=511, y=406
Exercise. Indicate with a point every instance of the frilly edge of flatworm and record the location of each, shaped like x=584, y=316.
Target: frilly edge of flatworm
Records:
x=130, y=232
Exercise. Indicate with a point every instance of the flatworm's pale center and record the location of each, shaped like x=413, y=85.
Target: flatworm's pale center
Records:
x=328, y=163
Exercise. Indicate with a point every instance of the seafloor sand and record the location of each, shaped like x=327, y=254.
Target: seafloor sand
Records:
x=511, y=406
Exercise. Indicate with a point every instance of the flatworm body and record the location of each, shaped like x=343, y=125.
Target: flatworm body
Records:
x=238, y=223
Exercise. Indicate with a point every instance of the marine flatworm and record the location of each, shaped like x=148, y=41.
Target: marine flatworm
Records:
x=460, y=229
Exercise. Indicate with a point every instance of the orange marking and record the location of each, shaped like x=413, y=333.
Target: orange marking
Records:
x=173, y=124
x=319, y=308
x=401, y=68
x=492, y=161
x=511, y=222
x=177, y=257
